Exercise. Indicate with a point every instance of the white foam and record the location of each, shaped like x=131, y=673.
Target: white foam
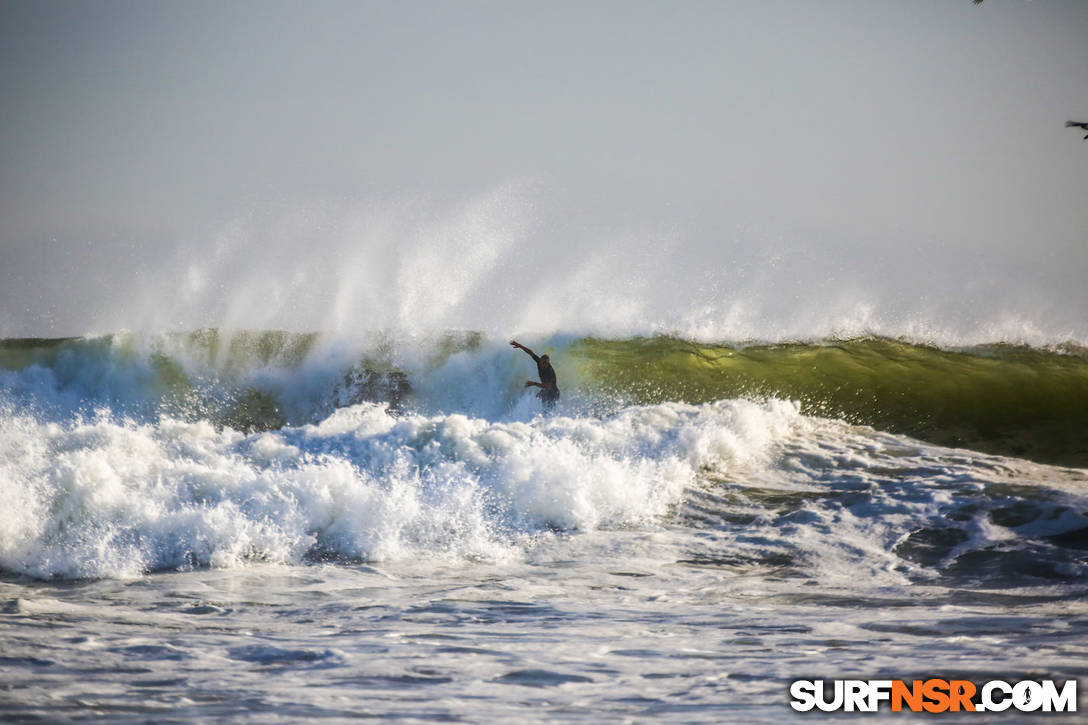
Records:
x=116, y=498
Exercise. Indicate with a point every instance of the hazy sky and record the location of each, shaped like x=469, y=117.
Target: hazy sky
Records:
x=133, y=133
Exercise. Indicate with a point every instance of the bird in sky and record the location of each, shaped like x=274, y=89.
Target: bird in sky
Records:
x=1078, y=124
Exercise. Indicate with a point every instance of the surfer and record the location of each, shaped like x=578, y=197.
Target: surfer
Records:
x=549, y=391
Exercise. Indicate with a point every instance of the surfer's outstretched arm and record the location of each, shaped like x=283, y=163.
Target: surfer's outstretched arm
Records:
x=518, y=345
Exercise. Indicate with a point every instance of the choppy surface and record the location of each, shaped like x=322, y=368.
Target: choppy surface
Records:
x=616, y=632
x=448, y=554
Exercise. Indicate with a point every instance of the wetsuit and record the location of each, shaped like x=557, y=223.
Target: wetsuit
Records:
x=549, y=390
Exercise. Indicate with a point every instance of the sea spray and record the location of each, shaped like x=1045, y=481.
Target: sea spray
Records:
x=522, y=258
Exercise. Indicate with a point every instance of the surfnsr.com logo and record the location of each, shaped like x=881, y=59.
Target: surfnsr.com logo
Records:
x=933, y=695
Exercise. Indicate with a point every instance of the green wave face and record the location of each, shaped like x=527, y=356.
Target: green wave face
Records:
x=1003, y=399
x=144, y=373
x=998, y=398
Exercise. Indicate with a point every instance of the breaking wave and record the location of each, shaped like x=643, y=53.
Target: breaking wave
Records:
x=1000, y=398
x=125, y=454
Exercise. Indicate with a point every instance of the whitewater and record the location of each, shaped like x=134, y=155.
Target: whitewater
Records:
x=293, y=472
x=272, y=525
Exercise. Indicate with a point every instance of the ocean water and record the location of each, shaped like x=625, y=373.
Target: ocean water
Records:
x=274, y=526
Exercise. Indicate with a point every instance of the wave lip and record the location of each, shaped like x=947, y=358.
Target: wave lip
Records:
x=997, y=398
